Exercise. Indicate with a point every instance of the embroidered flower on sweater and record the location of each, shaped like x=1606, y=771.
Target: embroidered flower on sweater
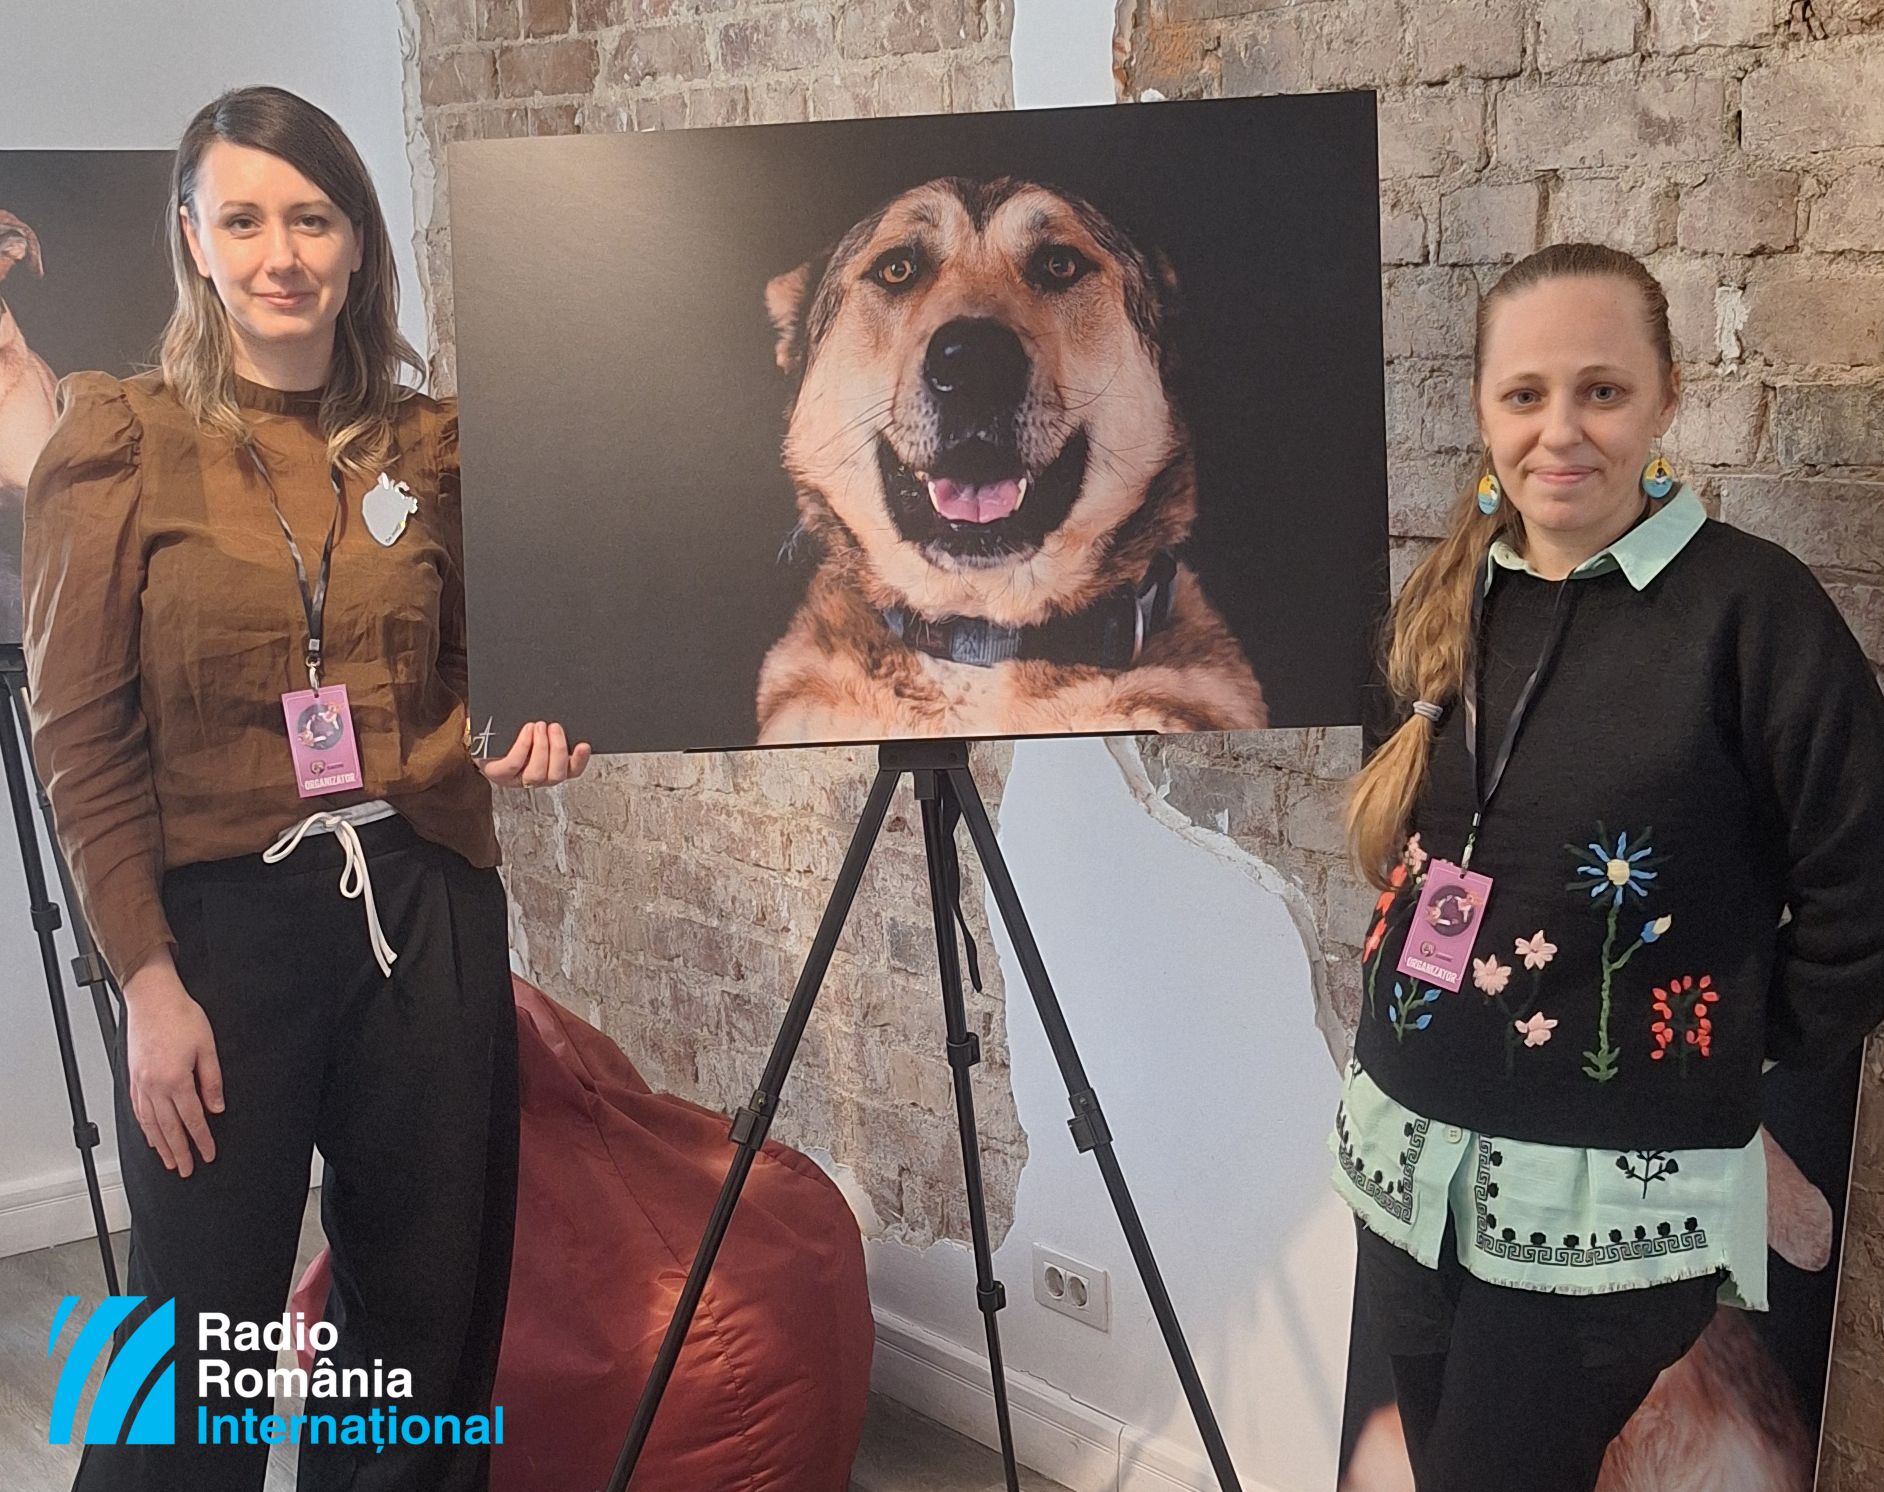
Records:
x=1610, y=872
x=1686, y=1019
x=1615, y=870
x=1410, y=867
x=1382, y=905
x=1490, y=976
x=1535, y=951
x=1407, y=1010
x=1535, y=1030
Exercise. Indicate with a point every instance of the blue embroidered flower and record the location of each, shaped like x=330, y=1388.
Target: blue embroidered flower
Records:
x=1614, y=871
x=1653, y=930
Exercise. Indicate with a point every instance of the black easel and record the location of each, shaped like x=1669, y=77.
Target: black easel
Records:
x=87, y=968
x=946, y=790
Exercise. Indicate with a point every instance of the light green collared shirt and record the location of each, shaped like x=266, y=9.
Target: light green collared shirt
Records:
x=1559, y=1218
x=1641, y=554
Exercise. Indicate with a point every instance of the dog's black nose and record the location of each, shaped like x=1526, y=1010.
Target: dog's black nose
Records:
x=976, y=363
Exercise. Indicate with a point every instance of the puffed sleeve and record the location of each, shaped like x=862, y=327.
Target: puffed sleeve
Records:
x=454, y=664
x=1812, y=734
x=83, y=578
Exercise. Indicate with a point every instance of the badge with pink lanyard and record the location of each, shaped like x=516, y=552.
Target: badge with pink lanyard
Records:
x=321, y=740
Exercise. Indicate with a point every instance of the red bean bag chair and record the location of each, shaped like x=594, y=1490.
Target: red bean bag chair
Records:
x=615, y=1186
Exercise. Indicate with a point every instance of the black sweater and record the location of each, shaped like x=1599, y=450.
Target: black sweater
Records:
x=1709, y=750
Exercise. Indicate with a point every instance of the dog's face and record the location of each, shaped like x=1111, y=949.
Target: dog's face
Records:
x=981, y=405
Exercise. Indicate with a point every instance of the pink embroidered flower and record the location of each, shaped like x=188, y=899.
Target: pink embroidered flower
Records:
x=1490, y=975
x=1415, y=856
x=1535, y=951
x=1536, y=1030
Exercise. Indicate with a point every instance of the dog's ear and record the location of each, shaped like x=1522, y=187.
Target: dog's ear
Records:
x=787, y=303
x=1170, y=317
x=18, y=242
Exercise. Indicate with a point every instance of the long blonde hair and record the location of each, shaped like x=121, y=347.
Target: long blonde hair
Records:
x=197, y=356
x=1429, y=630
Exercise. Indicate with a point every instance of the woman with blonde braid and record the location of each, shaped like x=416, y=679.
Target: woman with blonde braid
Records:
x=1632, y=740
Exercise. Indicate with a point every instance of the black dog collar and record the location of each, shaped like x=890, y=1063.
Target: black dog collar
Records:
x=1108, y=634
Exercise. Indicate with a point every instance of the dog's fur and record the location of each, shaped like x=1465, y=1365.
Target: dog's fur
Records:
x=1091, y=426
x=27, y=387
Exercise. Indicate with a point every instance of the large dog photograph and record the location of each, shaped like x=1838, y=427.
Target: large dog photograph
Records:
x=83, y=284
x=970, y=426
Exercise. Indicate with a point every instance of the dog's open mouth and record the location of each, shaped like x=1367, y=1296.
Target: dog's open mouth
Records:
x=976, y=503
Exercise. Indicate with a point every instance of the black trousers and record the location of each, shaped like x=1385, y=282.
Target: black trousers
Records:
x=1501, y=1389
x=407, y=1084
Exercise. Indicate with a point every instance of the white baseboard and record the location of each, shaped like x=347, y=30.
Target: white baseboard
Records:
x=41, y=1214
x=1079, y=1446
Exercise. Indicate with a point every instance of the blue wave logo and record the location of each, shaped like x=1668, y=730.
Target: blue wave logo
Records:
x=136, y=1404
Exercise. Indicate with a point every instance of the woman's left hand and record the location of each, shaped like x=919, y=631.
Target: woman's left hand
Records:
x=542, y=757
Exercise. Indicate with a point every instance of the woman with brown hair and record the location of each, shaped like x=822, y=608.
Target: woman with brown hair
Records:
x=296, y=973
x=1631, y=740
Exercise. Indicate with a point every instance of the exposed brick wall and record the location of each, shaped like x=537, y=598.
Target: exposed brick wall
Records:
x=496, y=69
x=680, y=894
x=1738, y=146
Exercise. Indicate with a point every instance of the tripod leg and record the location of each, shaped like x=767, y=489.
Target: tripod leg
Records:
x=88, y=968
x=1088, y=1123
x=751, y=1123
x=939, y=815
x=45, y=915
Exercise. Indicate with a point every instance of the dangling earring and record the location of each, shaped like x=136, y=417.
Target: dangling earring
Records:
x=1658, y=479
x=1490, y=494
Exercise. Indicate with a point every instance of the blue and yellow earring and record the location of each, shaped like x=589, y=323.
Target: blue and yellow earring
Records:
x=1658, y=479
x=1490, y=494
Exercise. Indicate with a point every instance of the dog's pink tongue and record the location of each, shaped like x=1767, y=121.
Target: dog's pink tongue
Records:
x=963, y=502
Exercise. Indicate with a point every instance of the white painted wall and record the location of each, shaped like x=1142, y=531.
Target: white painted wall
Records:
x=1186, y=986
x=127, y=75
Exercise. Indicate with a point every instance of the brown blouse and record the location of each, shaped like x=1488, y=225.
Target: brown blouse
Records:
x=163, y=625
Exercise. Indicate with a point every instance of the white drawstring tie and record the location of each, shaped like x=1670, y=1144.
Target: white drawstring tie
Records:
x=354, y=880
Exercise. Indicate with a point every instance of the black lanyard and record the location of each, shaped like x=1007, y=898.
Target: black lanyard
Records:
x=1484, y=791
x=314, y=603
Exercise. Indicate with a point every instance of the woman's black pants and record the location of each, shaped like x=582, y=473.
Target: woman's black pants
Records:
x=1504, y=1390
x=408, y=1086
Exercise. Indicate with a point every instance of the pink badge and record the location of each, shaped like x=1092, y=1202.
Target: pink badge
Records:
x=320, y=733
x=1445, y=925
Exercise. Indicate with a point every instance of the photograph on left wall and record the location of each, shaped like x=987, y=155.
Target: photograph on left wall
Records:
x=84, y=284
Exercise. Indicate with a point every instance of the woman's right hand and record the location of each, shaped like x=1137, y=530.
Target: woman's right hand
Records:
x=171, y=1052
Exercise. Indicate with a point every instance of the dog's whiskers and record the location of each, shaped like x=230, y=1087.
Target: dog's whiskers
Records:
x=1092, y=398
x=869, y=416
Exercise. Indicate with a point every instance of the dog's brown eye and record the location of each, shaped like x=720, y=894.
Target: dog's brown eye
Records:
x=896, y=270
x=1056, y=267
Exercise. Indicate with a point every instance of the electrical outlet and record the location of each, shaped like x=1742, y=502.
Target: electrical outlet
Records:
x=1073, y=1289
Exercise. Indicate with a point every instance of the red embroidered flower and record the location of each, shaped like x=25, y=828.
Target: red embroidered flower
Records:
x=1382, y=905
x=1685, y=1017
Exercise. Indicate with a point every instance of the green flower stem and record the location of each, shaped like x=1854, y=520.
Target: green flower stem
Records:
x=1411, y=1005
x=1511, y=1036
x=1601, y=1063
